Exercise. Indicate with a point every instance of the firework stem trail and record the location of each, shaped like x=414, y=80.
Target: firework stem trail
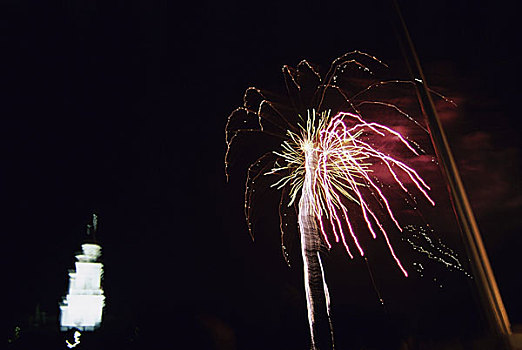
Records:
x=317, y=296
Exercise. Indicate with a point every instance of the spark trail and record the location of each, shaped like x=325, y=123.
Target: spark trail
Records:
x=421, y=241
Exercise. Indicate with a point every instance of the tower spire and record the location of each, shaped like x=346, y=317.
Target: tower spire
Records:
x=93, y=227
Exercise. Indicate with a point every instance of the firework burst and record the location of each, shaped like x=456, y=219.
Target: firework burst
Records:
x=329, y=161
x=329, y=164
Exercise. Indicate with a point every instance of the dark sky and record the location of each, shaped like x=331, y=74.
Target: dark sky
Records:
x=119, y=108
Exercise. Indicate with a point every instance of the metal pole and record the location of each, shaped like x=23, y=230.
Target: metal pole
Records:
x=484, y=278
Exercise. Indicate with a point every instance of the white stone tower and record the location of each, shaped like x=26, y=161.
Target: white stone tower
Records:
x=83, y=306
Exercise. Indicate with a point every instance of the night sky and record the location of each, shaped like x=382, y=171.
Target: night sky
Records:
x=119, y=108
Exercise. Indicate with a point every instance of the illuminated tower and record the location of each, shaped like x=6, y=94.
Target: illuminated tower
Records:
x=82, y=307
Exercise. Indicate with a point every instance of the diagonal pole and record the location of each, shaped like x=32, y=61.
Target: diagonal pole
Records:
x=485, y=280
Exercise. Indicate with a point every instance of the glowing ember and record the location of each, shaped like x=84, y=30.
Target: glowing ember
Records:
x=70, y=345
